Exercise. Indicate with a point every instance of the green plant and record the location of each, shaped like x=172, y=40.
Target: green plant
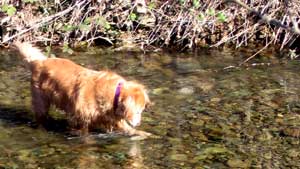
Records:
x=48, y=52
x=181, y=2
x=152, y=5
x=133, y=17
x=221, y=17
x=8, y=9
x=100, y=20
x=68, y=28
x=196, y=4
x=211, y=12
x=201, y=16
x=86, y=24
x=67, y=49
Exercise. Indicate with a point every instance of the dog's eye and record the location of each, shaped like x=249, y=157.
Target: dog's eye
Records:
x=147, y=107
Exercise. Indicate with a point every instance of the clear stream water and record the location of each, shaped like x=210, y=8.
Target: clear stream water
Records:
x=204, y=116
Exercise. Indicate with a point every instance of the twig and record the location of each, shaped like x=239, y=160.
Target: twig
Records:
x=100, y=37
x=251, y=57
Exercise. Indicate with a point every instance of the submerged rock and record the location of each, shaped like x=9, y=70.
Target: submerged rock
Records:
x=237, y=163
x=179, y=157
x=187, y=90
x=211, y=153
x=292, y=131
x=161, y=90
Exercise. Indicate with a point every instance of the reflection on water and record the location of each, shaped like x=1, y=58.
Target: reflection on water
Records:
x=203, y=117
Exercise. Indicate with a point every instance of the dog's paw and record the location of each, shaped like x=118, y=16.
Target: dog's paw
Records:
x=142, y=133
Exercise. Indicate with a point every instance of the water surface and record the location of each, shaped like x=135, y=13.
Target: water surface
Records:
x=204, y=116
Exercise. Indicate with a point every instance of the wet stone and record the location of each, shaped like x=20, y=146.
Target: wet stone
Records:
x=178, y=157
x=187, y=90
x=292, y=131
x=159, y=91
x=237, y=163
x=293, y=153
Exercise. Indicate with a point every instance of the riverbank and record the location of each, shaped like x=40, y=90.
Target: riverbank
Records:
x=149, y=25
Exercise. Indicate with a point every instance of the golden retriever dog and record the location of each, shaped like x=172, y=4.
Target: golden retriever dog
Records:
x=90, y=98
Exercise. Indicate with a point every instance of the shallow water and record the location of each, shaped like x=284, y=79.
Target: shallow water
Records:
x=204, y=116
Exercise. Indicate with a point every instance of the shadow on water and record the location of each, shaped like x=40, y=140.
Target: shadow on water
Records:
x=21, y=116
x=13, y=115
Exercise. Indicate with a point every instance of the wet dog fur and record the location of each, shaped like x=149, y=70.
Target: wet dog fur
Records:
x=86, y=96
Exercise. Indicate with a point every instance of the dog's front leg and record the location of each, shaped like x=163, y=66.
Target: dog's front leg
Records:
x=127, y=129
x=80, y=130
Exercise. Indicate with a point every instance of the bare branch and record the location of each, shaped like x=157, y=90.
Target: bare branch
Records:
x=267, y=19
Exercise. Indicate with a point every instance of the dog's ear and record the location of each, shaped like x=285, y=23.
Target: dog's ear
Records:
x=120, y=110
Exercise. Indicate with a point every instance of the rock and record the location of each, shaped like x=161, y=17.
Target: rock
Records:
x=237, y=163
x=265, y=136
x=25, y=155
x=178, y=157
x=292, y=131
x=293, y=153
x=187, y=90
x=215, y=99
x=211, y=152
x=200, y=136
x=159, y=91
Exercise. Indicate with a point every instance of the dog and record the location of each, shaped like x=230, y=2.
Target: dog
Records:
x=90, y=98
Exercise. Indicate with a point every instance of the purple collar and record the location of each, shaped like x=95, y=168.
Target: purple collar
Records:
x=117, y=95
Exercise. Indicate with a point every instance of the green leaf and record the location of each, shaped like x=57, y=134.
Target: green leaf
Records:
x=67, y=49
x=8, y=9
x=221, y=17
x=152, y=5
x=48, y=49
x=107, y=25
x=11, y=11
x=99, y=20
x=87, y=20
x=196, y=3
x=4, y=7
x=211, y=12
x=132, y=16
x=84, y=27
x=102, y=22
x=201, y=16
x=68, y=28
x=181, y=2
x=48, y=52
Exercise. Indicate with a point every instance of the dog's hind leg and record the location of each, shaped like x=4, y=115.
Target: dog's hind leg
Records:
x=40, y=106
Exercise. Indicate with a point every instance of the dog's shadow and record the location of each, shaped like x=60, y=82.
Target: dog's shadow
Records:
x=22, y=116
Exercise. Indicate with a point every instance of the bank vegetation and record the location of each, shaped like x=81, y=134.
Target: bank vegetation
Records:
x=151, y=24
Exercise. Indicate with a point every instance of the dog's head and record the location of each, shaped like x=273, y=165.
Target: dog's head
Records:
x=133, y=100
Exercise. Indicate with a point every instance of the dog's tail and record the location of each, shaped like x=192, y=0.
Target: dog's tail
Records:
x=28, y=52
